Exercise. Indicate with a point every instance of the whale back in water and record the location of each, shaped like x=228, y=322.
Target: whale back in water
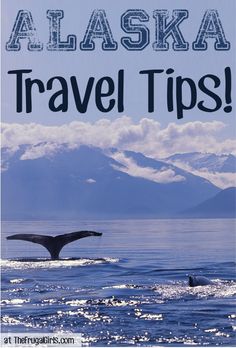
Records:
x=198, y=281
x=54, y=244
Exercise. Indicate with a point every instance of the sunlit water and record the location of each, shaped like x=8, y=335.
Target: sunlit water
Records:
x=128, y=287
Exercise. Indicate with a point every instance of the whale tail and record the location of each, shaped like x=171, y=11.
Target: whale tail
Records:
x=54, y=244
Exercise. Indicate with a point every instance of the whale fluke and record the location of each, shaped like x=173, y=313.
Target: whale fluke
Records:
x=198, y=281
x=54, y=244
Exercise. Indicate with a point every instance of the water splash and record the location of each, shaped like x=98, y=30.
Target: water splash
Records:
x=49, y=264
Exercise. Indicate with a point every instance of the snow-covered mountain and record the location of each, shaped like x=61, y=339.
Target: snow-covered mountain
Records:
x=219, y=169
x=209, y=161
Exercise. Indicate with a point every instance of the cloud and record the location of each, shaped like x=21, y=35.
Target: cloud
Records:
x=129, y=166
x=145, y=136
x=90, y=181
x=40, y=150
x=220, y=179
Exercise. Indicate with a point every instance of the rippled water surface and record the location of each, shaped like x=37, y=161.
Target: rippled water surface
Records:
x=128, y=287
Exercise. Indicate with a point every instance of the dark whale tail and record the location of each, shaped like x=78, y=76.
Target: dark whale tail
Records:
x=54, y=244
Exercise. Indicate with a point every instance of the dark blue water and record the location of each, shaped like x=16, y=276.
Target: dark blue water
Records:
x=128, y=287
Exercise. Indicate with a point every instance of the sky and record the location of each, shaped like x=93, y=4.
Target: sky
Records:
x=208, y=137
x=159, y=134
x=99, y=63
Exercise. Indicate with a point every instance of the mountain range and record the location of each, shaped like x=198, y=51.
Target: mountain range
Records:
x=222, y=205
x=88, y=182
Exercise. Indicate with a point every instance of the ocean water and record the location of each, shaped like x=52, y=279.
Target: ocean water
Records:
x=128, y=287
